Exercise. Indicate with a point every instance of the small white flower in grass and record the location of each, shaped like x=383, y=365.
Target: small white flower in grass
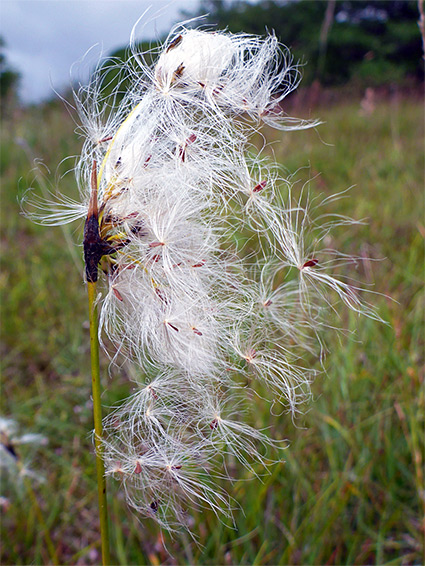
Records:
x=15, y=460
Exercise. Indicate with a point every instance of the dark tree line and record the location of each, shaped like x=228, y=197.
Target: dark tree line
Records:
x=360, y=42
x=9, y=80
x=370, y=41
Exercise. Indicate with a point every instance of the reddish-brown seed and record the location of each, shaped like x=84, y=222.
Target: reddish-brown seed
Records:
x=156, y=244
x=105, y=139
x=214, y=424
x=268, y=303
x=138, y=469
x=117, y=294
x=172, y=326
x=259, y=187
x=179, y=71
x=161, y=295
x=197, y=332
x=310, y=263
x=250, y=355
x=152, y=390
x=217, y=90
x=200, y=264
x=145, y=164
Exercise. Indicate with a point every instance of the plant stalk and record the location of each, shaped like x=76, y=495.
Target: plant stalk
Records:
x=97, y=416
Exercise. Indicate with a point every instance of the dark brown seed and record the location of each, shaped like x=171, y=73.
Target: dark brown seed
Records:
x=138, y=469
x=137, y=229
x=174, y=43
x=154, y=506
x=8, y=446
x=172, y=326
x=179, y=71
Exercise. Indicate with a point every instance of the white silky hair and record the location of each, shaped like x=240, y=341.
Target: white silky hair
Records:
x=195, y=292
x=16, y=464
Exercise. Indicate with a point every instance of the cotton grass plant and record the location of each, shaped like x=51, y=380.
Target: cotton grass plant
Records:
x=215, y=281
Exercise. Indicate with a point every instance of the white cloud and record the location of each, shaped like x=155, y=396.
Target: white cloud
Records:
x=44, y=38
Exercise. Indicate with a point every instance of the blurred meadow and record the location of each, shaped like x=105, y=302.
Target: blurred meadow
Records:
x=351, y=489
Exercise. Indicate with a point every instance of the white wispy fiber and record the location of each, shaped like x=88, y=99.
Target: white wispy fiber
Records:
x=205, y=233
x=15, y=461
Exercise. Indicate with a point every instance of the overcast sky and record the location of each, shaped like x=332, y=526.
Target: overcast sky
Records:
x=44, y=38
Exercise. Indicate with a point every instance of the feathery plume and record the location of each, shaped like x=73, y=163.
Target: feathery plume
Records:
x=170, y=189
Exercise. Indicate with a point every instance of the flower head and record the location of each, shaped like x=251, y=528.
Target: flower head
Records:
x=195, y=236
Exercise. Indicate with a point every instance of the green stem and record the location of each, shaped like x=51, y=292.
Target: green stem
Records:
x=97, y=415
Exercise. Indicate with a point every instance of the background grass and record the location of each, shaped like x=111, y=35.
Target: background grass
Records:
x=351, y=490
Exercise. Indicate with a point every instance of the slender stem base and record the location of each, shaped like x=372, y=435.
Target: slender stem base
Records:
x=97, y=414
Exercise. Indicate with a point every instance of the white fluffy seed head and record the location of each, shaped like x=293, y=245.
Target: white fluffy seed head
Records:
x=212, y=286
x=194, y=58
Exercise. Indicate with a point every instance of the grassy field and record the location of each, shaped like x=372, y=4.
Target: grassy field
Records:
x=351, y=489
